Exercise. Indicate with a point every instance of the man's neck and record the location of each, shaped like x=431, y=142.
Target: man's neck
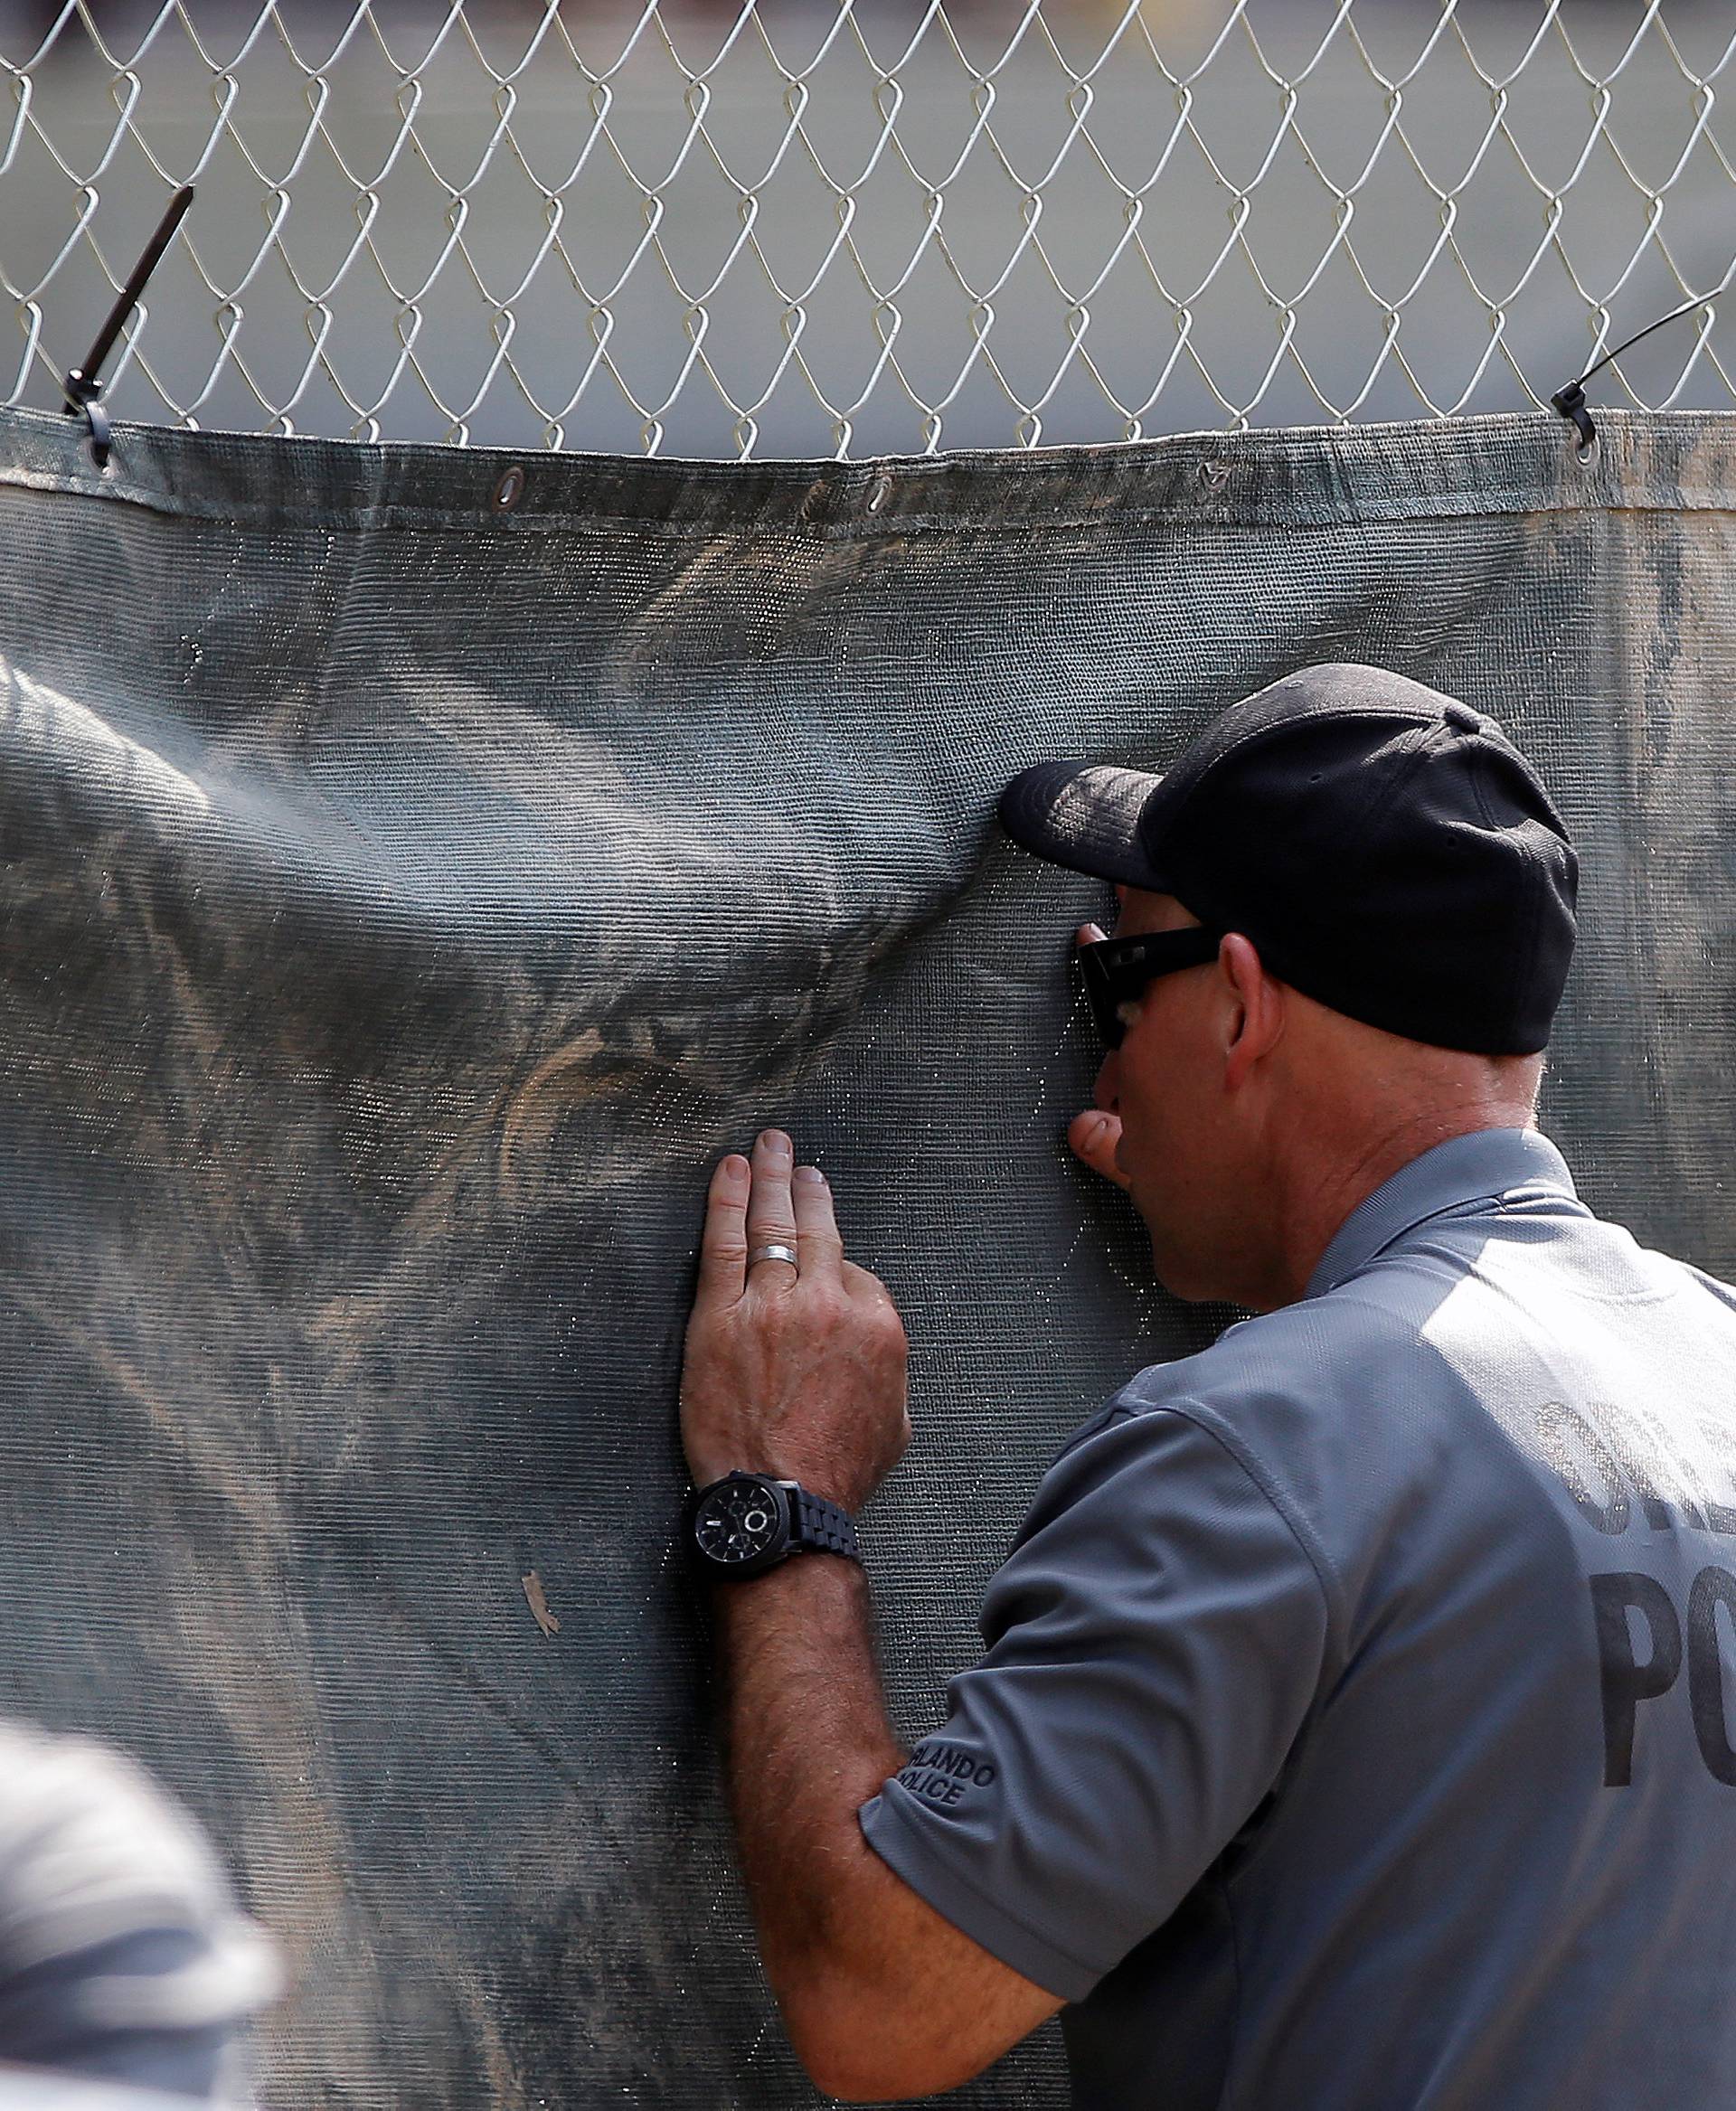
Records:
x=1324, y=1188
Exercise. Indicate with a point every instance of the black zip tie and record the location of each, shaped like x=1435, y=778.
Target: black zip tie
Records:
x=81, y=388
x=1570, y=400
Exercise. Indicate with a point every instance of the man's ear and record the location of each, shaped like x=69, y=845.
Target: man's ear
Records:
x=1258, y=1021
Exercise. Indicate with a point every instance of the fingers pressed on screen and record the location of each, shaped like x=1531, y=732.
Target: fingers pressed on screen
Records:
x=816, y=1226
x=1093, y=1136
x=723, y=1245
x=771, y=1214
x=864, y=1284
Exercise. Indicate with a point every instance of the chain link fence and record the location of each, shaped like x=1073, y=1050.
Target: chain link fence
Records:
x=844, y=230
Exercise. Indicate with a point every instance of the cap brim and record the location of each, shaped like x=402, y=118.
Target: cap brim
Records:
x=1084, y=816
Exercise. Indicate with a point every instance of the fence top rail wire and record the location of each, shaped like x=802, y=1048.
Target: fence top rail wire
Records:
x=894, y=227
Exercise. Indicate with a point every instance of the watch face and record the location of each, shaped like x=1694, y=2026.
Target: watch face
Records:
x=740, y=1523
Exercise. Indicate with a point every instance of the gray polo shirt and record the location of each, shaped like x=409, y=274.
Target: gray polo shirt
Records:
x=1357, y=1725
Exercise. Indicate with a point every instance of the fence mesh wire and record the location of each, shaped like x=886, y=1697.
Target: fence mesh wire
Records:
x=844, y=229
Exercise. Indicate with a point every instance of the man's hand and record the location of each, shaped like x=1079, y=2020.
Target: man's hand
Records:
x=798, y=1371
x=1094, y=1133
x=794, y=1370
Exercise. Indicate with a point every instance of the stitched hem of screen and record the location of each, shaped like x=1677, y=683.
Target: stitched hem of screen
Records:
x=908, y=1848
x=1282, y=478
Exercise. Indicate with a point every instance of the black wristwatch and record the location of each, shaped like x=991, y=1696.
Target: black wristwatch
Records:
x=746, y=1523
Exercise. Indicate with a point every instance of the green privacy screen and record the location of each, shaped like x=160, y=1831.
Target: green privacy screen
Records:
x=416, y=876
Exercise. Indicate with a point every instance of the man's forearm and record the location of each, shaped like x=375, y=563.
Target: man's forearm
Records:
x=808, y=1743
x=795, y=1365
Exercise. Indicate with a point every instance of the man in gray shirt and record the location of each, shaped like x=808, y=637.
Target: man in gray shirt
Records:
x=1356, y=1726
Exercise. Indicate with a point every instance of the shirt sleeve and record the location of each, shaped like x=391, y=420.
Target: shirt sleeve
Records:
x=1156, y=1642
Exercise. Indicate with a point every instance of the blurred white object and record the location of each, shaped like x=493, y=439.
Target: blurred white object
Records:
x=123, y=1952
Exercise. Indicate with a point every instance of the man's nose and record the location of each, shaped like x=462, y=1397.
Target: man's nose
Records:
x=1107, y=1091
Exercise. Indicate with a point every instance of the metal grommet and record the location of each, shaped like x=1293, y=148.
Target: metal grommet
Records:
x=98, y=437
x=1571, y=403
x=1213, y=475
x=509, y=490
x=879, y=492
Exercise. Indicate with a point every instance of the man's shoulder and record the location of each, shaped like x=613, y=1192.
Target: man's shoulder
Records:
x=1421, y=1317
x=1341, y=1406
x=1399, y=1390
x=1315, y=1354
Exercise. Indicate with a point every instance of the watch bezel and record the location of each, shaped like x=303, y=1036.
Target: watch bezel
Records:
x=778, y=1549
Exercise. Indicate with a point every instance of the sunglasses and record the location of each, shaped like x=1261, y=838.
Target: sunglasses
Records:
x=1116, y=971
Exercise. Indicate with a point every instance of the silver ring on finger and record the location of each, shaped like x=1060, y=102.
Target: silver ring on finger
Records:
x=774, y=1253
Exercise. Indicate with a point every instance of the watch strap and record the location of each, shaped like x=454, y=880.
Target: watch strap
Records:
x=818, y=1525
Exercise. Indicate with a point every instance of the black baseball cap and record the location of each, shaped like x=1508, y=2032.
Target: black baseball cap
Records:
x=1387, y=849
